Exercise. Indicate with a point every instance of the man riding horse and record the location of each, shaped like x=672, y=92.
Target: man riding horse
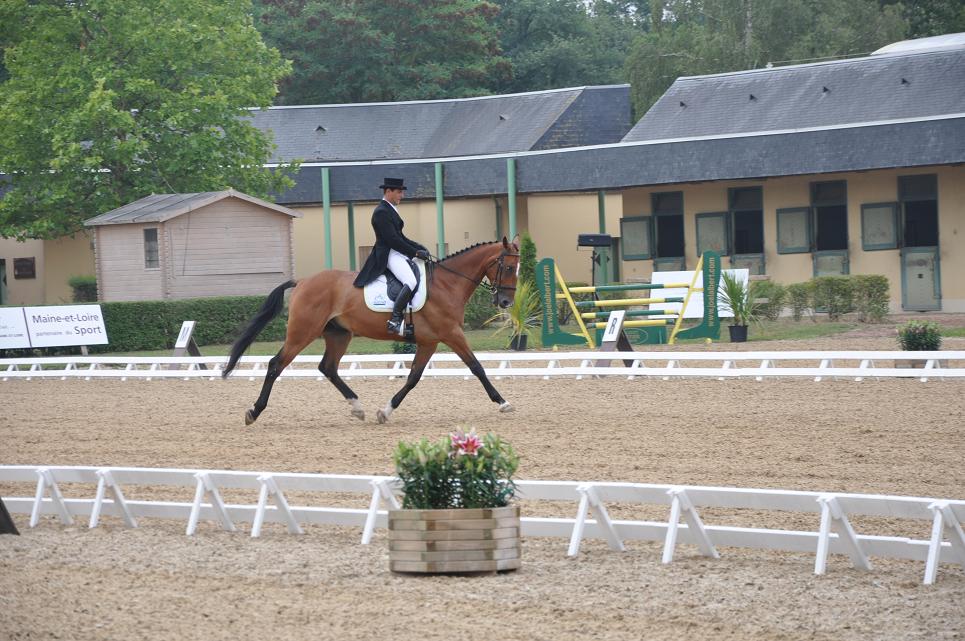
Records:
x=392, y=249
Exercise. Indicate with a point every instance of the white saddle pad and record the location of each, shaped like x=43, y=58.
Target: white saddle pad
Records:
x=378, y=300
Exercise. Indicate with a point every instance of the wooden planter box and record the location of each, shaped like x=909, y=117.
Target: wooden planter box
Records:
x=454, y=541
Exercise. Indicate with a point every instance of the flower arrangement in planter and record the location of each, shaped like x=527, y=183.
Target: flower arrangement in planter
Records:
x=456, y=514
x=919, y=336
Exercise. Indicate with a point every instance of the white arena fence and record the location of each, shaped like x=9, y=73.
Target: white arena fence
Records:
x=816, y=365
x=834, y=535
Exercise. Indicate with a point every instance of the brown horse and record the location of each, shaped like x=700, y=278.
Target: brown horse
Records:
x=328, y=305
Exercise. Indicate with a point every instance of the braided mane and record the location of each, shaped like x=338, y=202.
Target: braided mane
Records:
x=471, y=247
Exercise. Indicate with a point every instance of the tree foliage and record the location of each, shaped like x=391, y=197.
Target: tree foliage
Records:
x=375, y=50
x=712, y=36
x=110, y=101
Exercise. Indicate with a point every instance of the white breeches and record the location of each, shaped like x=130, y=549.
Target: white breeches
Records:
x=399, y=265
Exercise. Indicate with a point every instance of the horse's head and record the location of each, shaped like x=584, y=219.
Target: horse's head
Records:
x=503, y=272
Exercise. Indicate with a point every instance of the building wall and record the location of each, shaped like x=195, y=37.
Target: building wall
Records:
x=556, y=220
x=229, y=248
x=862, y=188
x=121, y=274
x=64, y=258
x=467, y=221
x=23, y=291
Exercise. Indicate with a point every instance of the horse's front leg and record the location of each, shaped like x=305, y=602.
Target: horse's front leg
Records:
x=422, y=355
x=461, y=347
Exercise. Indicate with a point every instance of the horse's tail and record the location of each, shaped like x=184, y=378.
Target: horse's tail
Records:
x=272, y=307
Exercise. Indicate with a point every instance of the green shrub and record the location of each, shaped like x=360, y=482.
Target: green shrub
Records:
x=799, y=297
x=871, y=297
x=399, y=347
x=84, y=288
x=479, y=308
x=775, y=294
x=527, y=259
x=833, y=295
x=920, y=336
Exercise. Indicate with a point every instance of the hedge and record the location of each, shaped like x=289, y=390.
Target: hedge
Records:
x=154, y=325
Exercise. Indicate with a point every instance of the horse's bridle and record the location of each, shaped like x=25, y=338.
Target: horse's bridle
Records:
x=494, y=288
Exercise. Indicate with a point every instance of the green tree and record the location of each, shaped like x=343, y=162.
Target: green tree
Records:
x=697, y=37
x=373, y=50
x=110, y=101
x=567, y=43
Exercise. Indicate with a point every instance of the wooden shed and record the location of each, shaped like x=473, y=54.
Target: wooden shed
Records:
x=171, y=246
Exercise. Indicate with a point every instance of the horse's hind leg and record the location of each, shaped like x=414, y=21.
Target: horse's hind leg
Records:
x=336, y=342
x=281, y=360
x=422, y=355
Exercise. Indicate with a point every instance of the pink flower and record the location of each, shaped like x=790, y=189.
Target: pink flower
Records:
x=465, y=444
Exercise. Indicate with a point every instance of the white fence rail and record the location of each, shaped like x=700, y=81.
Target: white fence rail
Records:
x=816, y=365
x=836, y=534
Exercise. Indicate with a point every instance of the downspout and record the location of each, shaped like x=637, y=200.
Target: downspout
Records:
x=440, y=218
x=327, y=216
x=511, y=195
x=351, y=236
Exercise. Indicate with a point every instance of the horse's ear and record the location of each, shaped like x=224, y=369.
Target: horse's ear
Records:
x=505, y=243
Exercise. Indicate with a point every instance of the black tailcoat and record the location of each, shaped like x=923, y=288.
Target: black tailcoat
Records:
x=388, y=225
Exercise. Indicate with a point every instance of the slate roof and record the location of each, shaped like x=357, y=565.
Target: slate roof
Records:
x=875, y=88
x=158, y=208
x=917, y=143
x=444, y=128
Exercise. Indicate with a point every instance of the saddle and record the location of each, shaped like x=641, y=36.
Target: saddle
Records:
x=381, y=293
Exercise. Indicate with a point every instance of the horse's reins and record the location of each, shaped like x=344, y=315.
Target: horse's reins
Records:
x=435, y=262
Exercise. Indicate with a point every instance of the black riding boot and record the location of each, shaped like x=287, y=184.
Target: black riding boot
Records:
x=395, y=323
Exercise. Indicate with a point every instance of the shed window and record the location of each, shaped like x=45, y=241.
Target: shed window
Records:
x=24, y=268
x=152, y=259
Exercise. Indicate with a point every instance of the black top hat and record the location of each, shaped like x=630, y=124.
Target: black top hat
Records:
x=392, y=183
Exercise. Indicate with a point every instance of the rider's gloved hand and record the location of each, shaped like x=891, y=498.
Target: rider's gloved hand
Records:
x=423, y=254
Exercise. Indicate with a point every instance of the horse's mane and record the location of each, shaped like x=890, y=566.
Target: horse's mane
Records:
x=467, y=249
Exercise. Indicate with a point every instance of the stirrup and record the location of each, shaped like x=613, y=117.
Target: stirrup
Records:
x=395, y=326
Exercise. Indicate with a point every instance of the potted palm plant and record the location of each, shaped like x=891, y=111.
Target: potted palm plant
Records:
x=738, y=297
x=456, y=514
x=522, y=318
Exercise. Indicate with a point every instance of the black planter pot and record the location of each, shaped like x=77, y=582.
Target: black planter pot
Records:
x=738, y=333
x=518, y=343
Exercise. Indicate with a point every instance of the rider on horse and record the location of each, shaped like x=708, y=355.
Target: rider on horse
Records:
x=392, y=249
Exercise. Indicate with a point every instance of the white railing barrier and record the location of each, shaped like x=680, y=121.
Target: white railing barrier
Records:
x=665, y=365
x=835, y=535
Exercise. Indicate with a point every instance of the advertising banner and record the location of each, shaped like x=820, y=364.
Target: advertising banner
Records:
x=63, y=325
x=13, y=328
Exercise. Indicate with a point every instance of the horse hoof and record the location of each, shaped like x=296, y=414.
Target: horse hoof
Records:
x=250, y=417
x=381, y=417
x=359, y=414
x=506, y=407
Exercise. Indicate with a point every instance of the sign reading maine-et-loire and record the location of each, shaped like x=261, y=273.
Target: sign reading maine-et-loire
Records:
x=52, y=326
